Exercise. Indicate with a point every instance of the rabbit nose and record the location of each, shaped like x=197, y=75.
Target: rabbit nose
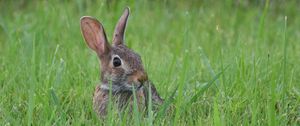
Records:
x=140, y=77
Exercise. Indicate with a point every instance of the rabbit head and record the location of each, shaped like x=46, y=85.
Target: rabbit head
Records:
x=120, y=65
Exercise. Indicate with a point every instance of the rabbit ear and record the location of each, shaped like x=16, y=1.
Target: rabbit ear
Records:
x=94, y=35
x=118, y=37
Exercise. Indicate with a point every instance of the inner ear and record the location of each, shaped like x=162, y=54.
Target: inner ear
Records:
x=94, y=35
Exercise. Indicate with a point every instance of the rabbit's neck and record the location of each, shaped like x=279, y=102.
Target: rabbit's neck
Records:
x=117, y=89
x=106, y=87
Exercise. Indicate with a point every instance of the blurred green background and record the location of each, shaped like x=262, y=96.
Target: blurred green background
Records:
x=234, y=62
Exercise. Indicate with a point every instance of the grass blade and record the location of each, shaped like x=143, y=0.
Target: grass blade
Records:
x=166, y=104
x=205, y=87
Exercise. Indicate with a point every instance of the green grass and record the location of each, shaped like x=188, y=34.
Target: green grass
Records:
x=215, y=63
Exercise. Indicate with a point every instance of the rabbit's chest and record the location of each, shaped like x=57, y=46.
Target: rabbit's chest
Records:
x=122, y=100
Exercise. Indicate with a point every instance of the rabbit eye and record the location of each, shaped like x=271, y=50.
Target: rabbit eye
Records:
x=117, y=62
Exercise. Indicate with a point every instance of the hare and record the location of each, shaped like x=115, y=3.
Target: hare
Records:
x=120, y=66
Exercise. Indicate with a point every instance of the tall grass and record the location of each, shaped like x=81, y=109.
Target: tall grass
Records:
x=215, y=63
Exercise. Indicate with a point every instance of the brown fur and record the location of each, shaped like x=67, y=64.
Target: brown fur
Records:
x=101, y=99
x=129, y=75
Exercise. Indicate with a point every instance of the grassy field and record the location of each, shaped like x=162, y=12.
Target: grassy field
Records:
x=218, y=63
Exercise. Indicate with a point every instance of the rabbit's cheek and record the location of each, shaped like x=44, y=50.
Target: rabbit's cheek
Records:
x=118, y=72
x=137, y=79
x=131, y=79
